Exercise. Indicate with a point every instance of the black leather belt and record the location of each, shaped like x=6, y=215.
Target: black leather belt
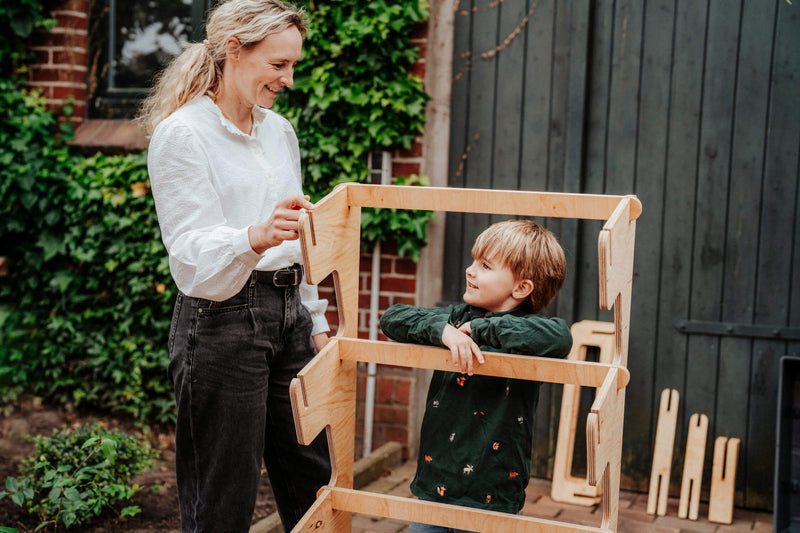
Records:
x=285, y=277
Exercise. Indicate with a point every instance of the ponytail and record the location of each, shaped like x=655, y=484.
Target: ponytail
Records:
x=196, y=71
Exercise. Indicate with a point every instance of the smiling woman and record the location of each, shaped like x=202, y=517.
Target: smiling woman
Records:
x=226, y=180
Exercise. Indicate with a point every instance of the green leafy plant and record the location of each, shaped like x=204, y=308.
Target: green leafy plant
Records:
x=354, y=90
x=74, y=475
x=406, y=226
x=18, y=20
x=84, y=312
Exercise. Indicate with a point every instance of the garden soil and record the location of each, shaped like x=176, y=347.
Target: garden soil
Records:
x=157, y=497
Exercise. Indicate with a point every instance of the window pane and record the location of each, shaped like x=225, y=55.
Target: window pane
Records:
x=144, y=36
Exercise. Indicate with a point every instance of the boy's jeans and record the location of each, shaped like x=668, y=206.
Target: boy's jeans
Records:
x=231, y=364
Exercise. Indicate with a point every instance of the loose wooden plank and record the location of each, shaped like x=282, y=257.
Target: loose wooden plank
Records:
x=566, y=487
x=723, y=480
x=662, y=453
x=692, y=480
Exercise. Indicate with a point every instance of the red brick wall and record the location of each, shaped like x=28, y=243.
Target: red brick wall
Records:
x=61, y=58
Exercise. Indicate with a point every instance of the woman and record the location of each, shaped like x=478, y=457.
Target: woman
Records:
x=225, y=175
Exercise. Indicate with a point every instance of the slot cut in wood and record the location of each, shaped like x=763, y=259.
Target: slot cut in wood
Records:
x=723, y=480
x=566, y=487
x=662, y=453
x=692, y=481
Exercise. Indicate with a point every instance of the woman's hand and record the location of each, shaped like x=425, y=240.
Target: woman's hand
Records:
x=462, y=348
x=281, y=225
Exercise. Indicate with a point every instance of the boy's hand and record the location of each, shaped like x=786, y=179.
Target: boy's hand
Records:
x=462, y=348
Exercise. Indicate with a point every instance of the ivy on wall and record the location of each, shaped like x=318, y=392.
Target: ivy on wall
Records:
x=85, y=311
x=355, y=93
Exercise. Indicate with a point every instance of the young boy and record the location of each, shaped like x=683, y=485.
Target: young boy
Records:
x=477, y=431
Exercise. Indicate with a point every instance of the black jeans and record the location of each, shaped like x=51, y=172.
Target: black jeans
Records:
x=231, y=364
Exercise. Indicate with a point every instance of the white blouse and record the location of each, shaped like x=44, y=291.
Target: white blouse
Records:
x=210, y=182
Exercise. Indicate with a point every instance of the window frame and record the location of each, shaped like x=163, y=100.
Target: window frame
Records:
x=104, y=101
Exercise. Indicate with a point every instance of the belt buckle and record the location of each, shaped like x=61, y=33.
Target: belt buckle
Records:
x=279, y=273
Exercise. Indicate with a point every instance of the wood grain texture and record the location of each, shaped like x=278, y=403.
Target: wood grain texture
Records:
x=662, y=453
x=692, y=481
x=323, y=395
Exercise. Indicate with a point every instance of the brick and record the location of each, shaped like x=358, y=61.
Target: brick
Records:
x=580, y=515
x=73, y=5
x=332, y=317
x=41, y=57
x=65, y=40
x=62, y=93
x=407, y=300
x=627, y=525
x=397, y=284
x=419, y=69
x=419, y=32
x=57, y=74
x=414, y=151
x=70, y=57
x=405, y=169
x=384, y=390
x=364, y=299
x=405, y=266
x=72, y=20
x=682, y=524
x=393, y=415
x=402, y=391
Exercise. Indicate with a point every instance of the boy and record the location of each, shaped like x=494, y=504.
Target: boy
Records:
x=477, y=431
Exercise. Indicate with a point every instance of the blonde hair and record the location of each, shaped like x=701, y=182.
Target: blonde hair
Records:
x=530, y=252
x=198, y=69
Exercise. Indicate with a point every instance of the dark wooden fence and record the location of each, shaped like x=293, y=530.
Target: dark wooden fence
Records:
x=694, y=106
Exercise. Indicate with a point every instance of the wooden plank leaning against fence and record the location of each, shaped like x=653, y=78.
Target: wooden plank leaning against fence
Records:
x=323, y=394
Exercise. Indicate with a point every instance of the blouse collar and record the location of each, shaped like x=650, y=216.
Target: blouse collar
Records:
x=258, y=113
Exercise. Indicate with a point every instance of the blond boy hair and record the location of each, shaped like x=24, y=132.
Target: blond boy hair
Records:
x=530, y=252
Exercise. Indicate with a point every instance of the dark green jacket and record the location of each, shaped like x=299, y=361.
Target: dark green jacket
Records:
x=475, y=442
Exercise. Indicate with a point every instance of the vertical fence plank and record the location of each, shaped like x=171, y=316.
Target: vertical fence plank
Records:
x=741, y=244
x=775, y=272
x=654, y=102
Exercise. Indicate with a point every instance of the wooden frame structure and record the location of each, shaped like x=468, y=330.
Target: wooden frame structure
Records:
x=323, y=394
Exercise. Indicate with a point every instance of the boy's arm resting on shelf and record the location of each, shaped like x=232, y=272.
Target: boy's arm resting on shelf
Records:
x=526, y=335
x=419, y=325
